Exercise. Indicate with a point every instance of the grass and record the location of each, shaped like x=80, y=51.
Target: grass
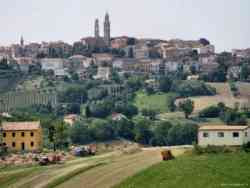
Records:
x=156, y=101
x=9, y=177
x=206, y=171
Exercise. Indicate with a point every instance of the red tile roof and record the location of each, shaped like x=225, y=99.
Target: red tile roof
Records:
x=20, y=126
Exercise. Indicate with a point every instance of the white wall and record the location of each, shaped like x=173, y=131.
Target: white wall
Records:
x=228, y=138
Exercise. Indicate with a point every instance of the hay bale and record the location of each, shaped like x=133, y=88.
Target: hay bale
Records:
x=167, y=155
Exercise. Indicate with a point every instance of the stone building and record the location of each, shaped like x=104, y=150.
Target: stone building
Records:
x=22, y=136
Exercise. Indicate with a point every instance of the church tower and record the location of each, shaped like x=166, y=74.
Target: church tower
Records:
x=97, y=31
x=107, y=30
x=22, y=41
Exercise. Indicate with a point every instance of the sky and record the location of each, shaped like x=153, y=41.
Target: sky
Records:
x=226, y=23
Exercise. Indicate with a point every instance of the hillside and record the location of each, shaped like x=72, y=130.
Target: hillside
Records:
x=223, y=95
x=206, y=171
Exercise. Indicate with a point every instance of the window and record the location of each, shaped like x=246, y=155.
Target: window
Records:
x=246, y=134
x=31, y=134
x=235, y=134
x=13, y=144
x=205, y=135
x=4, y=134
x=31, y=144
x=22, y=134
x=220, y=134
x=13, y=134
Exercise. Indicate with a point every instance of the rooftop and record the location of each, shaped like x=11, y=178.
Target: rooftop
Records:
x=221, y=127
x=20, y=126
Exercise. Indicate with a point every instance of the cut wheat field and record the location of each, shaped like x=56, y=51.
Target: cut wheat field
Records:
x=223, y=95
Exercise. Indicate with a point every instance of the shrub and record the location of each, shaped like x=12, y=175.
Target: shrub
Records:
x=190, y=88
x=232, y=117
x=210, y=112
x=246, y=147
x=211, y=149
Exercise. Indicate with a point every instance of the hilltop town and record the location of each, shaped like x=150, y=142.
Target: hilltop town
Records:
x=124, y=103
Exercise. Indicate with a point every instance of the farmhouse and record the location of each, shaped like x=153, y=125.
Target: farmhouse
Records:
x=22, y=136
x=223, y=135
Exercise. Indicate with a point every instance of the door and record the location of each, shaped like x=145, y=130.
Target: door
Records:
x=23, y=146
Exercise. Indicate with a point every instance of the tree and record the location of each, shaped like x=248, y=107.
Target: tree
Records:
x=232, y=117
x=171, y=102
x=245, y=72
x=165, y=84
x=115, y=77
x=161, y=133
x=210, y=112
x=150, y=113
x=87, y=112
x=75, y=77
x=79, y=133
x=131, y=110
x=187, y=106
x=204, y=41
x=182, y=134
x=102, y=130
x=149, y=90
x=225, y=60
x=51, y=135
x=142, y=131
x=125, y=128
x=193, y=69
x=73, y=108
x=61, y=134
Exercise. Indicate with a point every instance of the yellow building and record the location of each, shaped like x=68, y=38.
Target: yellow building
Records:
x=22, y=136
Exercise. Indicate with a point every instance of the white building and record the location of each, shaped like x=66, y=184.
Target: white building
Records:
x=101, y=58
x=223, y=135
x=83, y=61
x=103, y=73
x=57, y=65
x=171, y=66
x=52, y=63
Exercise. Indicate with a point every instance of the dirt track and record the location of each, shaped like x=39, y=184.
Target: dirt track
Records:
x=113, y=173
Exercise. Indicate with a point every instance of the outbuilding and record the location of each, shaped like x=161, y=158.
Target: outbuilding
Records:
x=223, y=135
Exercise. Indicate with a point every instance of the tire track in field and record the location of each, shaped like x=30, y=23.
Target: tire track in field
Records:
x=111, y=174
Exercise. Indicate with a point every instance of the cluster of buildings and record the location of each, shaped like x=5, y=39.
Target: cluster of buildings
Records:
x=148, y=56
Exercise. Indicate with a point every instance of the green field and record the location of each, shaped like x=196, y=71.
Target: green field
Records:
x=154, y=101
x=205, y=171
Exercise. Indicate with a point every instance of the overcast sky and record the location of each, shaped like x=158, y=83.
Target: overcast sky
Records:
x=226, y=23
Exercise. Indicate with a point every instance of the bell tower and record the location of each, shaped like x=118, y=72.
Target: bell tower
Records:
x=97, y=31
x=107, y=30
